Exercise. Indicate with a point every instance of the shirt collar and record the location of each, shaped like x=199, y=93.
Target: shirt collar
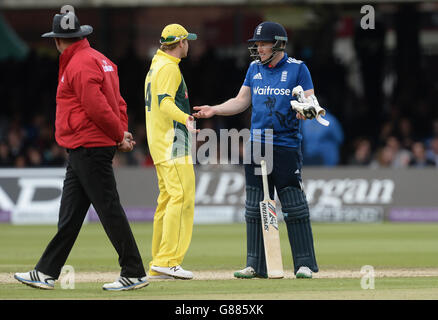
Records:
x=281, y=62
x=69, y=52
x=168, y=56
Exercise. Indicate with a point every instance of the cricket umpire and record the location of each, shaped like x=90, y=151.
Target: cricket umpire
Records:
x=92, y=124
x=268, y=86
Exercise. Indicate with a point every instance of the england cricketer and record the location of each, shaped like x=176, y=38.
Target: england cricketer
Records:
x=268, y=86
x=168, y=123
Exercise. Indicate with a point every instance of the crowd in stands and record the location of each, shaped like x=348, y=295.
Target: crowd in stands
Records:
x=397, y=148
x=28, y=89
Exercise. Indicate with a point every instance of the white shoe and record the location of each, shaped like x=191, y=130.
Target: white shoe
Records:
x=124, y=284
x=176, y=272
x=304, y=273
x=36, y=279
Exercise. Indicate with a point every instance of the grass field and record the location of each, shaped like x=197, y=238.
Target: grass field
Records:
x=404, y=257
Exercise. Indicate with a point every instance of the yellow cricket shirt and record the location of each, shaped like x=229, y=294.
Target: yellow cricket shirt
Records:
x=167, y=109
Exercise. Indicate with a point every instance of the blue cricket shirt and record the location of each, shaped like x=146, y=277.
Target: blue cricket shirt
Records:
x=271, y=91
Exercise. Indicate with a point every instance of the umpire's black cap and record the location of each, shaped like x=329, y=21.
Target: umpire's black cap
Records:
x=64, y=28
x=269, y=31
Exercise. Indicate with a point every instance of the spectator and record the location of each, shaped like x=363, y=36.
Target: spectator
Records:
x=419, y=159
x=321, y=144
x=432, y=152
x=16, y=143
x=386, y=130
x=5, y=156
x=34, y=157
x=45, y=138
x=384, y=158
x=406, y=133
x=33, y=130
x=401, y=155
x=362, y=153
x=55, y=156
x=433, y=135
x=20, y=162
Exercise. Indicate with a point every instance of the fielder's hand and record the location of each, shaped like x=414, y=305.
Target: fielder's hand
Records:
x=191, y=124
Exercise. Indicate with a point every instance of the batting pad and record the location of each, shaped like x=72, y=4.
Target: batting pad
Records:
x=254, y=237
x=297, y=219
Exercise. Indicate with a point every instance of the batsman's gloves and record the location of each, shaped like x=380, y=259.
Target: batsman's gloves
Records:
x=306, y=110
x=308, y=107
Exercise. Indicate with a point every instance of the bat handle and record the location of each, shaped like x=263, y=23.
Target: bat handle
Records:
x=265, y=179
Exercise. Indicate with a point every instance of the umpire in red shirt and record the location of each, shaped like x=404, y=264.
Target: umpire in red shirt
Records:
x=91, y=123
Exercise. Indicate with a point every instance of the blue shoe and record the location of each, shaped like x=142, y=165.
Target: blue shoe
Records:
x=124, y=284
x=36, y=279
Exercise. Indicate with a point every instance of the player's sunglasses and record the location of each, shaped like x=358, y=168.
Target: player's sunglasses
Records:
x=170, y=39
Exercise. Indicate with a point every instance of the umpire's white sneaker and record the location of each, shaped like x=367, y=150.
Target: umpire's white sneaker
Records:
x=304, y=273
x=36, y=279
x=124, y=284
x=176, y=272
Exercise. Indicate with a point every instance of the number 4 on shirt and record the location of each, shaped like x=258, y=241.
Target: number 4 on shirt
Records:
x=148, y=97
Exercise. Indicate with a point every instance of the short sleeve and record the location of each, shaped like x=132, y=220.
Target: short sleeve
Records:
x=304, y=78
x=248, y=77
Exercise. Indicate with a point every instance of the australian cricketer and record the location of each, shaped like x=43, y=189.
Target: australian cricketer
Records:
x=168, y=123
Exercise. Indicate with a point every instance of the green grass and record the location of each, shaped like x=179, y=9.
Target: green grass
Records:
x=219, y=247
x=258, y=289
x=381, y=245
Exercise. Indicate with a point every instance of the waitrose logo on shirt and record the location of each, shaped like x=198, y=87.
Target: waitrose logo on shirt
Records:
x=268, y=91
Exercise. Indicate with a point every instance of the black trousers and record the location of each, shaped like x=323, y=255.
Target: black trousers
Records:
x=90, y=180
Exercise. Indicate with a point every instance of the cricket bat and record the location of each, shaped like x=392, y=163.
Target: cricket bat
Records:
x=271, y=236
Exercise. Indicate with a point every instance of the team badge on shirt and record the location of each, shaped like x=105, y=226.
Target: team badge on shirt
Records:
x=284, y=76
x=106, y=67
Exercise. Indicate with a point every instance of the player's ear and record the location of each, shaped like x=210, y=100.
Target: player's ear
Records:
x=58, y=44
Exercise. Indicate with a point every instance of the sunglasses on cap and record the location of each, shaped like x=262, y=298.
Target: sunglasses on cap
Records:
x=171, y=39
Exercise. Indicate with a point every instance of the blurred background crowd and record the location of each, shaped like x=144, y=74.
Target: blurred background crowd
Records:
x=378, y=85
